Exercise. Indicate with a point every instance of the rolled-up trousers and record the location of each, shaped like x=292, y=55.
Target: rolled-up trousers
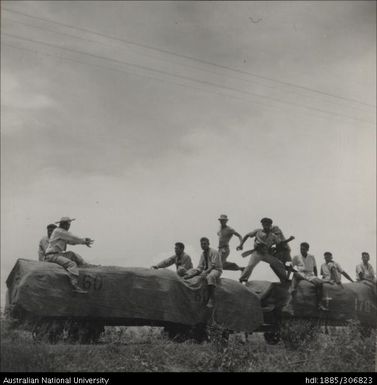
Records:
x=69, y=260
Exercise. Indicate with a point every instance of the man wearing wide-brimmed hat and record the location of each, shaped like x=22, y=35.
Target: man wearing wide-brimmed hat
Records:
x=225, y=234
x=264, y=240
x=43, y=243
x=57, y=250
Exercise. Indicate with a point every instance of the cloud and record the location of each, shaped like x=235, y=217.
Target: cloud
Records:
x=21, y=103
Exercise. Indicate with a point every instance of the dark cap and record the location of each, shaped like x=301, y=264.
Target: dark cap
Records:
x=51, y=226
x=266, y=220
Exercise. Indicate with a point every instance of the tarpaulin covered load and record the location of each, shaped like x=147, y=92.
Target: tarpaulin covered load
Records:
x=273, y=295
x=345, y=302
x=126, y=294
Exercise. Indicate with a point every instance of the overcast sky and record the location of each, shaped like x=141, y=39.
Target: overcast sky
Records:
x=147, y=120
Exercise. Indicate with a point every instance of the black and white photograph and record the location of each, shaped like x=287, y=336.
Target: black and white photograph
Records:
x=188, y=187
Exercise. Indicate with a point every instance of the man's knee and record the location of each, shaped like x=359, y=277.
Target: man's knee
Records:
x=254, y=260
x=71, y=267
x=76, y=258
x=63, y=261
x=212, y=278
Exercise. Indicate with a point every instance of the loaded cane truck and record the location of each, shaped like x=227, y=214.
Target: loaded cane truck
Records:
x=40, y=299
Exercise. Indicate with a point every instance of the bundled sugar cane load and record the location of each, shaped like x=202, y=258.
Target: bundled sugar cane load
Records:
x=342, y=302
x=40, y=291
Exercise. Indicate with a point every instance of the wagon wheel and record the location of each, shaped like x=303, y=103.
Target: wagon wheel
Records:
x=272, y=337
x=199, y=333
x=46, y=330
x=72, y=328
x=365, y=331
x=297, y=332
x=84, y=333
x=95, y=331
x=39, y=330
x=177, y=333
x=55, y=331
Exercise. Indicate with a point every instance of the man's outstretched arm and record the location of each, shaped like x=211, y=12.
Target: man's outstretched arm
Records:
x=165, y=263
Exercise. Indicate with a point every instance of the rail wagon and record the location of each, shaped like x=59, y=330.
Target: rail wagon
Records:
x=41, y=298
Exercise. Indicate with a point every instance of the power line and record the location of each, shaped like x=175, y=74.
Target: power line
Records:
x=242, y=98
x=183, y=77
x=147, y=55
x=138, y=74
x=126, y=41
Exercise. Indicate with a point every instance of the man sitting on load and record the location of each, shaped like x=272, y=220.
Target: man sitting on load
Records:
x=364, y=271
x=210, y=267
x=331, y=271
x=306, y=269
x=43, y=243
x=181, y=260
x=57, y=251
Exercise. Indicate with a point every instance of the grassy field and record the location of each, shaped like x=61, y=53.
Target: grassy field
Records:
x=148, y=350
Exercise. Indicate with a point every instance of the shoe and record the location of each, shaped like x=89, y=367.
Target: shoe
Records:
x=323, y=308
x=77, y=289
x=210, y=303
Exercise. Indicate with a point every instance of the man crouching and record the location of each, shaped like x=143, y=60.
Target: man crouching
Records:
x=209, y=266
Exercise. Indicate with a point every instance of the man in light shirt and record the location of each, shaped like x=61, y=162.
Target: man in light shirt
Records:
x=364, y=271
x=331, y=271
x=57, y=251
x=306, y=269
x=43, y=243
x=181, y=260
x=305, y=263
x=210, y=266
x=264, y=240
x=225, y=234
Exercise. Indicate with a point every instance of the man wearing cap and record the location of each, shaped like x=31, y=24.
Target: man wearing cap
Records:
x=264, y=240
x=57, y=251
x=225, y=234
x=209, y=266
x=43, y=243
x=331, y=271
x=181, y=260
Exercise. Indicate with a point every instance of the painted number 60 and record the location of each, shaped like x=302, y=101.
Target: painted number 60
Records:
x=90, y=282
